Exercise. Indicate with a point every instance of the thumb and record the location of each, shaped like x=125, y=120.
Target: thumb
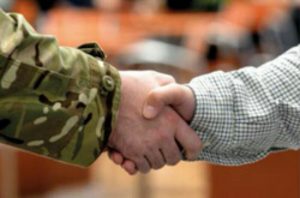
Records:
x=158, y=98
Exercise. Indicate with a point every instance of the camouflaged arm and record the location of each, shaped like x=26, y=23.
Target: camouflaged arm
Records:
x=55, y=101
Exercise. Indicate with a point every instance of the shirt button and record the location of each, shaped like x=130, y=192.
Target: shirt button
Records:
x=108, y=83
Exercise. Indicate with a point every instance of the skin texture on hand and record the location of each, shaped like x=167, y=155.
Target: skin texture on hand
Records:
x=180, y=97
x=146, y=143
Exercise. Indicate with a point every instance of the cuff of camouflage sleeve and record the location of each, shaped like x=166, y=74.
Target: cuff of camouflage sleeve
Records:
x=103, y=111
x=112, y=101
x=110, y=86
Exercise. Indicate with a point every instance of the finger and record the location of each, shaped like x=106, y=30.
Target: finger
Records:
x=157, y=99
x=116, y=157
x=171, y=153
x=165, y=79
x=189, y=140
x=143, y=164
x=156, y=159
x=129, y=167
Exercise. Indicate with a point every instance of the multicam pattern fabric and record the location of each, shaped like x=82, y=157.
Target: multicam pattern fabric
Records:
x=244, y=115
x=55, y=101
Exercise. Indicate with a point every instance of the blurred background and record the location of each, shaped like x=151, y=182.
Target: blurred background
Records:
x=184, y=38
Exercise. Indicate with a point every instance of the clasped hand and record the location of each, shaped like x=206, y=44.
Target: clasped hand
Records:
x=152, y=129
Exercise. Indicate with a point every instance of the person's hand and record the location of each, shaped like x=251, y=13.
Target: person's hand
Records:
x=142, y=144
x=180, y=97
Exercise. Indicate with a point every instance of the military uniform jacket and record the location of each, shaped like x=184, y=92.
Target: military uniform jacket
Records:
x=55, y=101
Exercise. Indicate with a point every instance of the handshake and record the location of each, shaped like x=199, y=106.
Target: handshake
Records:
x=151, y=129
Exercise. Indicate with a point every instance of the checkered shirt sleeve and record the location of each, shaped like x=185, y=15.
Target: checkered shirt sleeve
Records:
x=244, y=115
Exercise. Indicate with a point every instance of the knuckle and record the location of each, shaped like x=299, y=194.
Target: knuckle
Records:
x=168, y=78
x=144, y=169
x=153, y=95
x=171, y=79
x=158, y=166
x=179, y=88
x=141, y=165
x=174, y=162
x=164, y=136
x=174, y=159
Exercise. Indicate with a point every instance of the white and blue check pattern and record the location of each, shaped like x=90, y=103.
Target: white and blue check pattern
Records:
x=242, y=116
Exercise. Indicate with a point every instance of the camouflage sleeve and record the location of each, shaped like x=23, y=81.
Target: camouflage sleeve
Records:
x=55, y=101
